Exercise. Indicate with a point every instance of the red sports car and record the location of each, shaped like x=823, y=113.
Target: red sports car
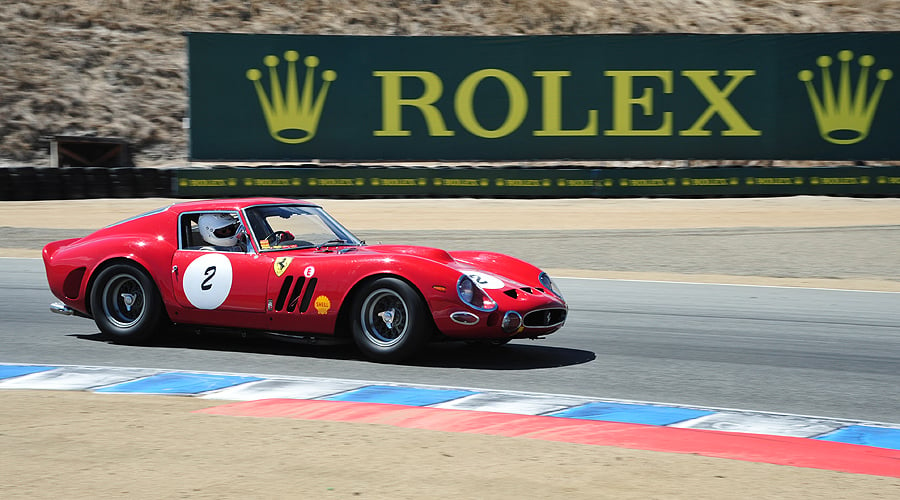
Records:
x=286, y=267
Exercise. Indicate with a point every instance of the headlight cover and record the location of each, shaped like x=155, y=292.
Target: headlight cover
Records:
x=472, y=295
x=545, y=280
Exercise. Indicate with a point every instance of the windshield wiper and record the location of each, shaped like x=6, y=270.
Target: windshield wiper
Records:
x=332, y=243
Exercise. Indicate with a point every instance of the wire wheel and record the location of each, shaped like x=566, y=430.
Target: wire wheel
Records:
x=390, y=321
x=125, y=304
x=123, y=300
x=384, y=317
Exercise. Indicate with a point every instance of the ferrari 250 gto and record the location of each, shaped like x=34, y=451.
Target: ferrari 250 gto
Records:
x=286, y=267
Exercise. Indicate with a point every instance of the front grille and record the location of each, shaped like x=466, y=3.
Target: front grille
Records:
x=544, y=318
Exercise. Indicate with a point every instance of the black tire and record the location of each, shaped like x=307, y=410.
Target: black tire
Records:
x=389, y=321
x=126, y=304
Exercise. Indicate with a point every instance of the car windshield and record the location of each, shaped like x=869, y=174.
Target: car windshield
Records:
x=285, y=227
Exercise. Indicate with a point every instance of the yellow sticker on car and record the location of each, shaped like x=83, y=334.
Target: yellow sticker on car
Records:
x=281, y=265
x=323, y=304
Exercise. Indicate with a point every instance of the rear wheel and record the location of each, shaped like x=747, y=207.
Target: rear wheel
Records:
x=125, y=304
x=390, y=322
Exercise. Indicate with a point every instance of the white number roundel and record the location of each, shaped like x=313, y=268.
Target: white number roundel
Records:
x=485, y=281
x=207, y=281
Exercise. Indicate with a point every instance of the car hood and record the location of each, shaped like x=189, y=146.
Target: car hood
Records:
x=491, y=270
x=432, y=254
x=494, y=270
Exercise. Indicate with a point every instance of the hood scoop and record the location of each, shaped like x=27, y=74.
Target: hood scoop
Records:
x=435, y=254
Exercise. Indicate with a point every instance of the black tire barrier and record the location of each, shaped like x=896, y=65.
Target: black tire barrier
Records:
x=5, y=184
x=98, y=182
x=46, y=183
x=165, y=183
x=152, y=183
x=49, y=184
x=144, y=182
x=74, y=182
x=23, y=181
x=122, y=181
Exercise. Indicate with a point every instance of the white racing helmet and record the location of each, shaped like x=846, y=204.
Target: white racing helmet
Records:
x=219, y=229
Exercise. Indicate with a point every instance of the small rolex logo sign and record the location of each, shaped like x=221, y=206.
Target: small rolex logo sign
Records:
x=292, y=113
x=844, y=110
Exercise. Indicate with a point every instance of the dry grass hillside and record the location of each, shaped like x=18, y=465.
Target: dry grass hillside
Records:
x=117, y=67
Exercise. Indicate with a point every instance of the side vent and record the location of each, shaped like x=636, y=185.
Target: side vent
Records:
x=307, y=297
x=295, y=294
x=514, y=292
x=282, y=295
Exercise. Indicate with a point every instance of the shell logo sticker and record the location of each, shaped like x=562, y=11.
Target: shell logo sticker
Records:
x=485, y=281
x=323, y=304
x=281, y=265
x=207, y=281
x=309, y=272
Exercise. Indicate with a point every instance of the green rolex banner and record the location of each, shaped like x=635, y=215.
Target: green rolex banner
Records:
x=825, y=96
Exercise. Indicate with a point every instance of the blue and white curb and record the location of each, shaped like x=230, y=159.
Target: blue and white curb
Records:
x=243, y=387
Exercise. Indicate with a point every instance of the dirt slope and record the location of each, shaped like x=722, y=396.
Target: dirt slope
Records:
x=116, y=68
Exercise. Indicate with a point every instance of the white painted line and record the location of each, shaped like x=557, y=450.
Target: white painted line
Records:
x=723, y=284
x=76, y=378
x=284, y=389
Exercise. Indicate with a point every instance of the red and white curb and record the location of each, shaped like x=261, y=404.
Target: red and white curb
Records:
x=816, y=442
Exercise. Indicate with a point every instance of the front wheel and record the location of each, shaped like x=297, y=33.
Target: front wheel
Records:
x=125, y=304
x=390, y=321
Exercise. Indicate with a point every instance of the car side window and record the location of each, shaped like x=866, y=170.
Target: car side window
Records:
x=193, y=237
x=190, y=232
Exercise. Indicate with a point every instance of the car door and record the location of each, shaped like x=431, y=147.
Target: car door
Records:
x=213, y=280
x=207, y=278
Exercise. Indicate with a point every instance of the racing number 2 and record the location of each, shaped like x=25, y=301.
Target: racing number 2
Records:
x=209, y=273
x=485, y=280
x=207, y=281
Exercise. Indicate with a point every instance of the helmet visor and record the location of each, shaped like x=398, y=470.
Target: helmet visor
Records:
x=226, y=231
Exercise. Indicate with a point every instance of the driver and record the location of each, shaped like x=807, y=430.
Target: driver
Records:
x=223, y=231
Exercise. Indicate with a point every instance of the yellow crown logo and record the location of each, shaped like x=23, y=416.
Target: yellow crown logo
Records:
x=292, y=117
x=844, y=116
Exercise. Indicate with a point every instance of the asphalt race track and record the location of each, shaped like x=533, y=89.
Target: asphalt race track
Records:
x=826, y=353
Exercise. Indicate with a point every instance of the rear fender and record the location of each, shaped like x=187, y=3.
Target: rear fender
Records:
x=59, y=279
x=163, y=291
x=52, y=247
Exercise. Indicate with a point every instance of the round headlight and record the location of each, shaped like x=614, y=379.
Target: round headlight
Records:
x=473, y=295
x=512, y=321
x=466, y=289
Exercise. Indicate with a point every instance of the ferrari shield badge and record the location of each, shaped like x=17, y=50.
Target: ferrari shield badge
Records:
x=281, y=265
